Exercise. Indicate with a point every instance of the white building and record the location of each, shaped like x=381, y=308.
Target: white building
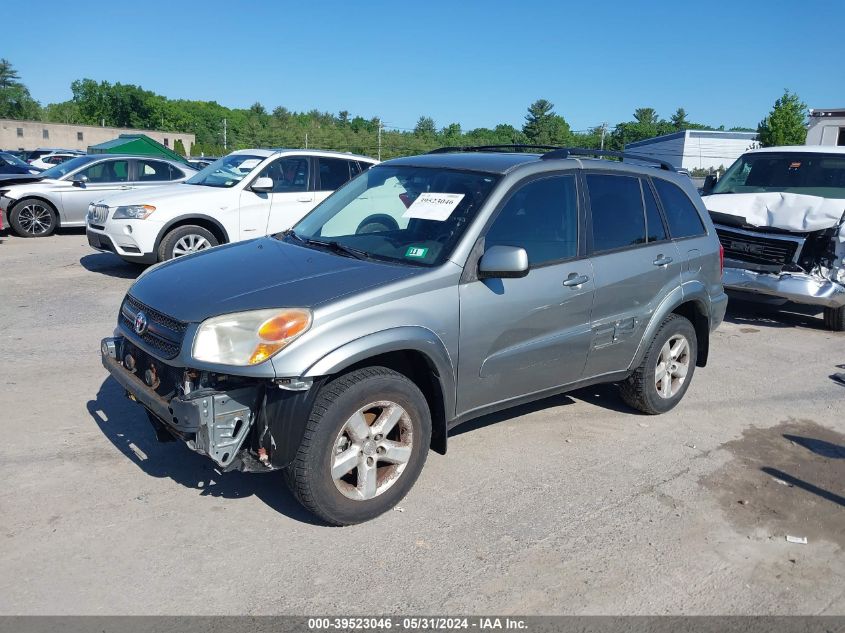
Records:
x=696, y=149
x=827, y=127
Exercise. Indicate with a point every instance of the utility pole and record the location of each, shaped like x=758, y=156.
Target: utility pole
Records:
x=225, y=139
x=306, y=140
x=379, y=138
x=603, y=132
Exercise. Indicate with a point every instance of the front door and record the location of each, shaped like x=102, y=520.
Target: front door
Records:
x=523, y=336
x=293, y=195
x=634, y=263
x=92, y=183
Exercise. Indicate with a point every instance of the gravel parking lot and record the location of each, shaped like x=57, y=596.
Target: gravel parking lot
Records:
x=573, y=505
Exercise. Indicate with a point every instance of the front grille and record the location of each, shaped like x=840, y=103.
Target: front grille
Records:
x=163, y=334
x=766, y=250
x=97, y=214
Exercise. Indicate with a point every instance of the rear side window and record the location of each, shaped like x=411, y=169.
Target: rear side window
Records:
x=654, y=223
x=334, y=172
x=153, y=171
x=542, y=218
x=616, y=203
x=681, y=213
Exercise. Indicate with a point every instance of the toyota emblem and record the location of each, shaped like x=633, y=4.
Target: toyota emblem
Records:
x=140, y=323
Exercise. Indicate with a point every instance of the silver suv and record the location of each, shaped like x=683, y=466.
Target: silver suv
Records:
x=428, y=291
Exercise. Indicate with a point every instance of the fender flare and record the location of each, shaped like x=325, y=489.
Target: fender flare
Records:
x=191, y=216
x=691, y=291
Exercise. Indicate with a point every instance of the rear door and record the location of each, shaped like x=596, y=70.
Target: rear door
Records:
x=523, y=336
x=635, y=265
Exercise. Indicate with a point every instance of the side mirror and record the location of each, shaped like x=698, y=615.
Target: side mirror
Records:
x=503, y=262
x=264, y=184
x=79, y=180
x=709, y=183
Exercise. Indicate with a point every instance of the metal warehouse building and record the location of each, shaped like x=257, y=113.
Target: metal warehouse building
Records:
x=696, y=149
x=26, y=135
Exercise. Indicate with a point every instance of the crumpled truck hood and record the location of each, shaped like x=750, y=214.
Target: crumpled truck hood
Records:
x=258, y=274
x=787, y=211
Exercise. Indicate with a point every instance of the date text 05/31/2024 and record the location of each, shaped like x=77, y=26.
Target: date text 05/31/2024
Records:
x=416, y=624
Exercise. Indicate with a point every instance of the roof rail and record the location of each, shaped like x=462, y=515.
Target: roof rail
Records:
x=567, y=152
x=490, y=148
x=554, y=151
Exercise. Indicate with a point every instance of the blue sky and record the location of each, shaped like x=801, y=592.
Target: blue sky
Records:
x=475, y=63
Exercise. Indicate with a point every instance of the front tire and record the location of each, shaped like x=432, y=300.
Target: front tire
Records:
x=364, y=446
x=834, y=319
x=32, y=217
x=664, y=375
x=186, y=240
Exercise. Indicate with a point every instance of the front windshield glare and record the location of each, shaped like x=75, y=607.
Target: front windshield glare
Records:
x=63, y=169
x=227, y=171
x=793, y=172
x=412, y=215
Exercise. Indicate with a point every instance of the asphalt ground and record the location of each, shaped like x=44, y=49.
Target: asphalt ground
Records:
x=572, y=505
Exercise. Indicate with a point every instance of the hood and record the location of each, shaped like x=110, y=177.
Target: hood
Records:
x=16, y=179
x=262, y=273
x=787, y=211
x=184, y=197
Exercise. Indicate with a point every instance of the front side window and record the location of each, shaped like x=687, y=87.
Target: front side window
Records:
x=289, y=174
x=542, y=218
x=616, y=205
x=789, y=172
x=334, y=173
x=107, y=171
x=402, y=214
x=227, y=171
x=681, y=213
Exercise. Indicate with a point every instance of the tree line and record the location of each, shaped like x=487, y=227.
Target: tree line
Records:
x=128, y=105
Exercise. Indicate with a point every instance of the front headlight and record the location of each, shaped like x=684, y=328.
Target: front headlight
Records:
x=248, y=338
x=133, y=212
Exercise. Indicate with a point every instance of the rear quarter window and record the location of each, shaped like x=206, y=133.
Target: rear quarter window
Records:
x=680, y=212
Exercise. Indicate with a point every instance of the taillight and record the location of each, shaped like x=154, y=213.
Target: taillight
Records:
x=721, y=259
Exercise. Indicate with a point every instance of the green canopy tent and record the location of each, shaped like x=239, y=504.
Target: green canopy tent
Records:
x=137, y=144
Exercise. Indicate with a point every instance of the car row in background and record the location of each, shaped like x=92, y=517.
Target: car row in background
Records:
x=248, y=193
x=35, y=206
x=11, y=165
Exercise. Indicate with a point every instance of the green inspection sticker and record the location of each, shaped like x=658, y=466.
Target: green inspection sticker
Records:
x=416, y=251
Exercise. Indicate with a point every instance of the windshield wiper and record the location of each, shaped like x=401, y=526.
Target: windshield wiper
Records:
x=333, y=246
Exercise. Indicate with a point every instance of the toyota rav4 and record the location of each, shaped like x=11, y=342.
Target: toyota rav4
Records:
x=428, y=291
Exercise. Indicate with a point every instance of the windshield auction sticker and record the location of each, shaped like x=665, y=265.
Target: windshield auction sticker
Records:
x=434, y=206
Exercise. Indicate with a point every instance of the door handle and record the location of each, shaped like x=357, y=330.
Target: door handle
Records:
x=124, y=187
x=304, y=198
x=662, y=261
x=575, y=280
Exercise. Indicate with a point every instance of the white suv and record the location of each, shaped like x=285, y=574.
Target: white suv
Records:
x=249, y=193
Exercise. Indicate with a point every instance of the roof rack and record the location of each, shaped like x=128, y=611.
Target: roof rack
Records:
x=566, y=152
x=555, y=151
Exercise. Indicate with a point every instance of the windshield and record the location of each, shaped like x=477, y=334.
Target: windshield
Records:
x=11, y=159
x=63, y=169
x=412, y=215
x=227, y=171
x=791, y=172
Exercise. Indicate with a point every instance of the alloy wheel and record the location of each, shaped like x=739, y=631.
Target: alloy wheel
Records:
x=672, y=366
x=190, y=244
x=372, y=450
x=35, y=219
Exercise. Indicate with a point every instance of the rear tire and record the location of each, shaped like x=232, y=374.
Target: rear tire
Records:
x=364, y=446
x=670, y=360
x=185, y=240
x=32, y=217
x=834, y=319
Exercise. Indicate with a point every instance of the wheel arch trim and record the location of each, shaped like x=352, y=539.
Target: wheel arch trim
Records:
x=184, y=220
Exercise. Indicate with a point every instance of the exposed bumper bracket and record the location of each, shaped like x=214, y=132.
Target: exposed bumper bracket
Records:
x=795, y=287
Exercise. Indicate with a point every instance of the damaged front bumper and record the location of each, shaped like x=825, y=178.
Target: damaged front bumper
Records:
x=796, y=287
x=254, y=426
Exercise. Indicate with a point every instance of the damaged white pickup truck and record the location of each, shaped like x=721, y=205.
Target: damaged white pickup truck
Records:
x=780, y=216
